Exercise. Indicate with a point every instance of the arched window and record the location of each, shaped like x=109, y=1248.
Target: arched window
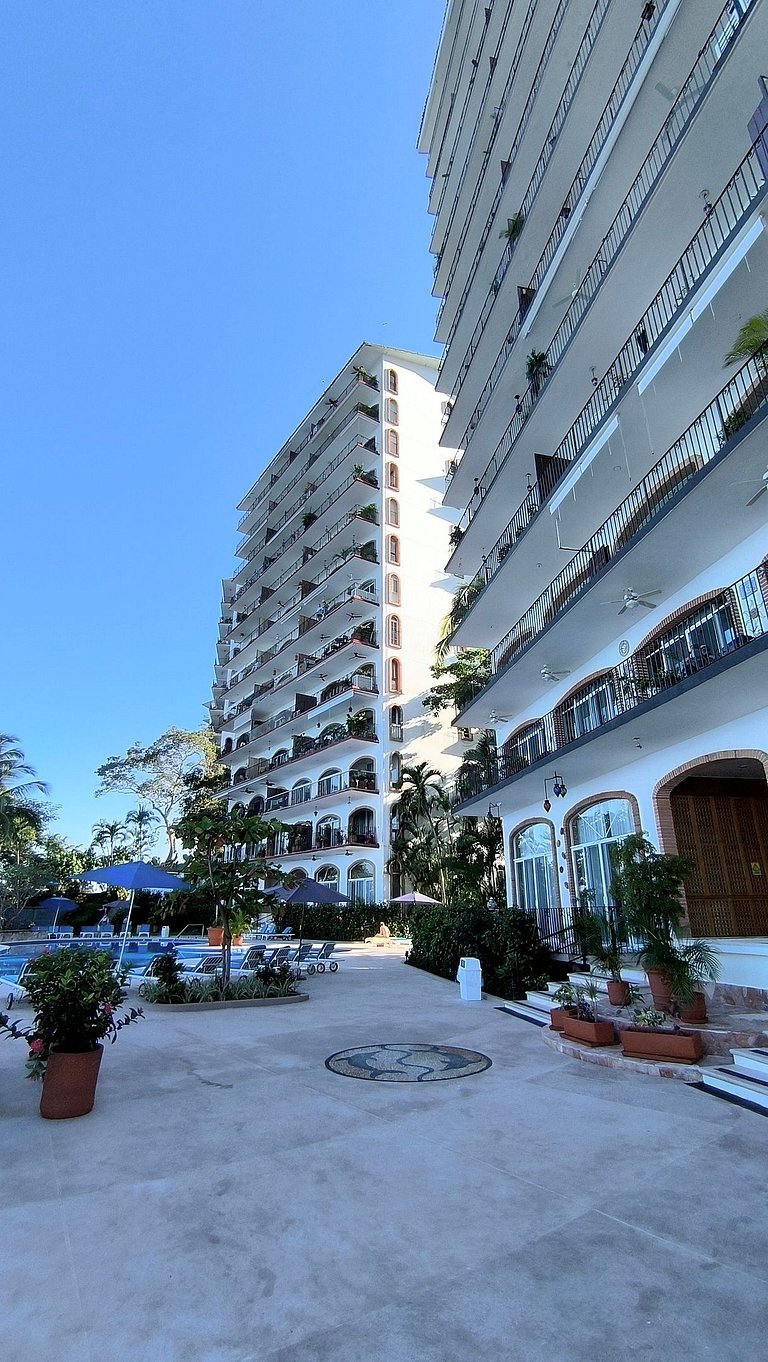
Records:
x=281, y=757
x=393, y=475
x=392, y=444
x=328, y=832
x=394, y=637
x=395, y=879
x=396, y=723
x=393, y=511
x=328, y=874
x=227, y=745
x=593, y=832
x=256, y=807
x=391, y=411
x=362, y=775
x=393, y=549
x=395, y=770
x=391, y=381
x=395, y=676
x=239, y=776
x=243, y=740
x=586, y=709
x=329, y=783
x=533, y=866
x=393, y=588
x=362, y=828
x=301, y=792
x=361, y=882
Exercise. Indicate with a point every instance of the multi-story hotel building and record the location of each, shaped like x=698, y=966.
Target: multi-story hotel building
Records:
x=599, y=189
x=329, y=624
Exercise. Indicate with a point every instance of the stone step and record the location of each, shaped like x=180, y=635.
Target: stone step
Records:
x=544, y=1001
x=726, y=1082
x=753, y=1063
x=631, y=974
x=527, y=1013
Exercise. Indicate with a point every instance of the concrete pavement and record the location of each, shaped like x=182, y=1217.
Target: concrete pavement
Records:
x=229, y=1198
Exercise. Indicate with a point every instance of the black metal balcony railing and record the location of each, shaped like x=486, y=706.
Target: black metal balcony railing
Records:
x=704, y=439
x=745, y=188
x=301, y=667
x=347, y=686
x=570, y=87
x=724, y=626
x=366, y=551
x=655, y=164
x=499, y=106
x=364, y=633
x=303, y=747
x=354, y=554
x=285, y=845
x=293, y=454
x=302, y=528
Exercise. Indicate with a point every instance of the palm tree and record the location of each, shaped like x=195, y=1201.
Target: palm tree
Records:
x=751, y=342
x=141, y=821
x=423, y=805
x=15, y=791
x=460, y=605
x=109, y=835
x=479, y=767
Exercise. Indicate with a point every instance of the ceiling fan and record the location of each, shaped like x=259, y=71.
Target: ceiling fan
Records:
x=563, y=302
x=674, y=93
x=632, y=599
x=753, y=482
x=547, y=674
x=494, y=718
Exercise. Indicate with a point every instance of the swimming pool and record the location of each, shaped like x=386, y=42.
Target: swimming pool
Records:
x=137, y=953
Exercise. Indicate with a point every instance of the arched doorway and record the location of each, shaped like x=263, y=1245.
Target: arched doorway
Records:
x=715, y=813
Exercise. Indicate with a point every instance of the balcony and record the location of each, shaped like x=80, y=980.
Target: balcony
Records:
x=729, y=629
x=367, y=381
x=290, y=509
x=629, y=214
x=359, y=683
x=356, y=484
x=338, y=739
x=740, y=407
x=304, y=664
x=347, y=523
x=307, y=587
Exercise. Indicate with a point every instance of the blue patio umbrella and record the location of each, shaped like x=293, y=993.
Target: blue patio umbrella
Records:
x=59, y=905
x=311, y=891
x=133, y=875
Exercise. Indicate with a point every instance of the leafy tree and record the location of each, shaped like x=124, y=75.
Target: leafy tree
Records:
x=156, y=774
x=479, y=767
x=217, y=843
x=461, y=604
x=459, y=681
x=19, y=885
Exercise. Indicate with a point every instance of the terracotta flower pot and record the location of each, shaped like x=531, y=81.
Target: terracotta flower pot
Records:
x=557, y=1018
x=618, y=992
x=661, y=991
x=695, y=1010
x=215, y=935
x=69, y=1084
x=590, y=1032
x=681, y=1047
x=237, y=940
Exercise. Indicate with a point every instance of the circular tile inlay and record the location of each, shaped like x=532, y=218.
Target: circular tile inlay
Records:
x=407, y=1063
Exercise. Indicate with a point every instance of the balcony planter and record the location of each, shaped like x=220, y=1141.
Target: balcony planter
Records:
x=681, y=1047
x=557, y=1017
x=589, y=1032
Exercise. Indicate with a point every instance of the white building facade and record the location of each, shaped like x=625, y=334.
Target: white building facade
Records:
x=329, y=624
x=599, y=184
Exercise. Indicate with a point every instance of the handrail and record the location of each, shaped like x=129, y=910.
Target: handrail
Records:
x=314, y=582
x=624, y=688
x=550, y=141
x=651, y=171
x=702, y=442
x=734, y=205
x=312, y=549
x=292, y=454
x=301, y=529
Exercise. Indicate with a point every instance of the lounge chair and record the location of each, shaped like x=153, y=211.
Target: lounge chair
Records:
x=269, y=930
x=87, y=933
x=107, y=932
x=286, y=933
x=143, y=932
x=65, y=933
x=316, y=959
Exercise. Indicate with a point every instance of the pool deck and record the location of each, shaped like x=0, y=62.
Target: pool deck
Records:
x=230, y=1199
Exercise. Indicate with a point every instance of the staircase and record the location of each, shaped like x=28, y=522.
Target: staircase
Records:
x=745, y=1081
x=538, y=1003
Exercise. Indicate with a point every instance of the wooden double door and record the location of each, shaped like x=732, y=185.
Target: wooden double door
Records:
x=722, y=828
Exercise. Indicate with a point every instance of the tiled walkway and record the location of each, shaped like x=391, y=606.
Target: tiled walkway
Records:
x=229, y=1198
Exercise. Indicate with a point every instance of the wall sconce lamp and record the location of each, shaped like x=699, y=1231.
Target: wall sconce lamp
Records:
x=559, y=789
x=494, y=810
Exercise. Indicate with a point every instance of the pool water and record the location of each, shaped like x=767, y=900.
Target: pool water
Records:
x=135, y=956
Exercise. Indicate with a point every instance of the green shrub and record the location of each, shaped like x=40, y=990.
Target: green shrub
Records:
x=505, y=941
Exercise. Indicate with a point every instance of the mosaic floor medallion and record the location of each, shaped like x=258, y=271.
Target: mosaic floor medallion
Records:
x=407, y=1063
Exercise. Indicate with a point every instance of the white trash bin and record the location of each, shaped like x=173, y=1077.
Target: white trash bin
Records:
x=470, y=978
x=165, y=931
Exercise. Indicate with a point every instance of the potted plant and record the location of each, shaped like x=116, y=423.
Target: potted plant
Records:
x=455, y=536
x=648, y=884
x=654, y=1036
x=308, y=519
x=536, y=369
x=514, y=226
x=367, y=512
x=565, y=997
x=240, y=924
x=584, y=1024
x=603, y=937
x=76, y=994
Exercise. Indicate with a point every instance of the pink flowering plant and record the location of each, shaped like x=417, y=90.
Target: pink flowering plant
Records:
x=76, y=993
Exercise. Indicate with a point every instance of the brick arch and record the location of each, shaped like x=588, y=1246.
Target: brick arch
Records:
x=662, y=791
x=527, y=823
x=680, y=614
x=576, y=809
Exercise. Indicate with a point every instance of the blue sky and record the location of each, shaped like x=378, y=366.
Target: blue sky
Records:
x=208, y=204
